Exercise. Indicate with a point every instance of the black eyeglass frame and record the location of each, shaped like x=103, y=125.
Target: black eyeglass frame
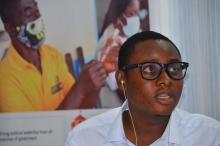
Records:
x=163, y=66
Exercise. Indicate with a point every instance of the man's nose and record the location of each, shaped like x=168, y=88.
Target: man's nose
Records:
x=164, y=79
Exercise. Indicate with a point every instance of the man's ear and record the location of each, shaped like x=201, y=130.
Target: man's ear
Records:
x=120, y=78
x=10, y=29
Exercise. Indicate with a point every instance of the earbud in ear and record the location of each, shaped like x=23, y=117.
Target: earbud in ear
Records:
x=122, y=83
x=123, y=88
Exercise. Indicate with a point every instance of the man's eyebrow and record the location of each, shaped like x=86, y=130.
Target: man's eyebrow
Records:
x=175, y=60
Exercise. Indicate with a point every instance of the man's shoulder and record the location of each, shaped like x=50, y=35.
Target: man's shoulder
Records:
x=51, y=51
x=197, y=120
x=196, y=129
x=50, y=48
x=94, y=129
x=100, y=120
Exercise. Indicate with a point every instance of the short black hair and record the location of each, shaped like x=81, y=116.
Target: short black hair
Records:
x=2, y=9
x=5, y=9
x=127, y=49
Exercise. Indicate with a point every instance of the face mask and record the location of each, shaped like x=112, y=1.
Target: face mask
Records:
x=132, y=27
x=31, y=34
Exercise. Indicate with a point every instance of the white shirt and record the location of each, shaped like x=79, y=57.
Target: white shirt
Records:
x=184, y=129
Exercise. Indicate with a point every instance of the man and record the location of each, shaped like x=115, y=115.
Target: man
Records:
x=150, y=74
x=33, y=76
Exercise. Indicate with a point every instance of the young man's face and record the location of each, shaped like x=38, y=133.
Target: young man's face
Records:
x=158, y=96
x=22, y=11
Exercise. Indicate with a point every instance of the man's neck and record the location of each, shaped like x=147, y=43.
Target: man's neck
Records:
x=148, y=128
x=30, y=55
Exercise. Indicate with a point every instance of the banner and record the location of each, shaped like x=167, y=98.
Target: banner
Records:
x=41, y=128
x=74, y=30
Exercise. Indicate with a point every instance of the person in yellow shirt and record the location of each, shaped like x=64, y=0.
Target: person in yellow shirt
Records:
x=34, y=76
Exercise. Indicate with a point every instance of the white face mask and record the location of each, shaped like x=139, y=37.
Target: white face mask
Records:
x=132, y=27
x=32, y=34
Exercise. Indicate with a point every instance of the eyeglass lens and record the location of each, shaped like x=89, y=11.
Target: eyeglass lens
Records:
x=153, y=70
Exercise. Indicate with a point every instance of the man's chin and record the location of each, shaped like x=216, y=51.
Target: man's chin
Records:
x=165, y=112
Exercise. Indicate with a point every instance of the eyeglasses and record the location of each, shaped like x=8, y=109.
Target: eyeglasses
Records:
x=152, y=70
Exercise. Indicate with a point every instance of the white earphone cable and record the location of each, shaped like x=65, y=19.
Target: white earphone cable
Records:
x=132, y=121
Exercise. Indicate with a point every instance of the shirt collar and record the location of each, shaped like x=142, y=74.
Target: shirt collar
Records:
x=172, y=132
x=175, y=129
x=116, y=131
x=16, y=57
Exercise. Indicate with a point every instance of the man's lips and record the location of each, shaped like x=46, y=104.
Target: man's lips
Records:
x=164, y=98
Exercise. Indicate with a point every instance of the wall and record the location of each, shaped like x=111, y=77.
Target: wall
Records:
x=102, y=7
x=3, y=42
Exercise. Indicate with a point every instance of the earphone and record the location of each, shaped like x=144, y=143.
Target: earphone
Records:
x=129, y=112
x=132, y=121
x=122, y=83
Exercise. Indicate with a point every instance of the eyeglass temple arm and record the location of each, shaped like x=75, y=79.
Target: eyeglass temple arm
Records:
x=130, y=66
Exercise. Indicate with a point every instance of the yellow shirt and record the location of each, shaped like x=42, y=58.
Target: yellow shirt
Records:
x=24, y=88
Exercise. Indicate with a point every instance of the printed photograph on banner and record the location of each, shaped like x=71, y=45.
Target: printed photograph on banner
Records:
x=46, y=56
x=117, y=20
x=53, y=60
